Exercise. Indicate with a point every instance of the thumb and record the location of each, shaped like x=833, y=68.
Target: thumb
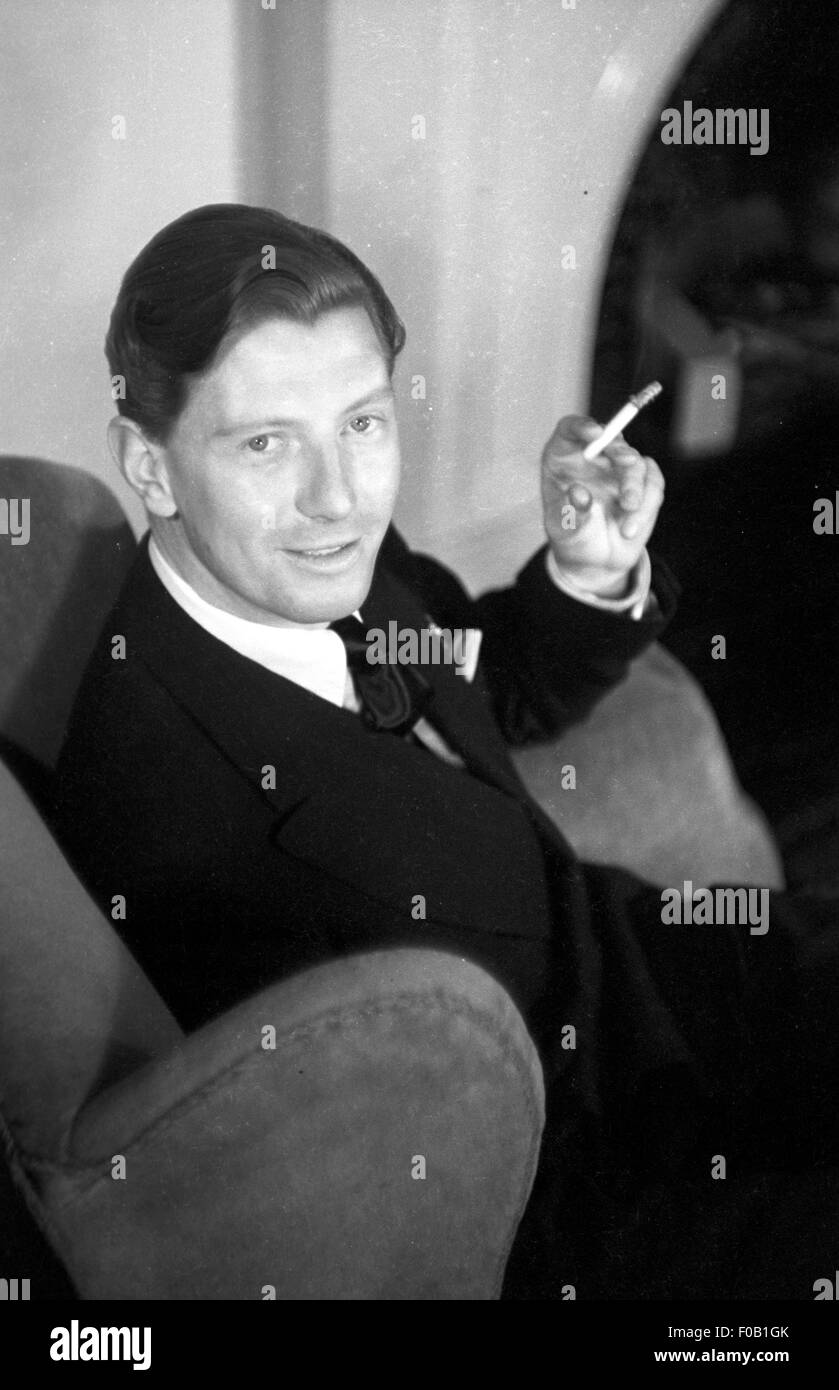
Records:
x=574, y=430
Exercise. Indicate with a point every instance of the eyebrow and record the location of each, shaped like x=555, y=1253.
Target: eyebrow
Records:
x=380, y=393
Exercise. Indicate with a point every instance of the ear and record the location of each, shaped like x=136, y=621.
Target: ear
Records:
x=142, y=464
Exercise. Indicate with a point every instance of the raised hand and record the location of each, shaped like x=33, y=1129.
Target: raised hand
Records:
x=599, y=515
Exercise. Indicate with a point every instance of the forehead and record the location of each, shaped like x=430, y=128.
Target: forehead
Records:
x=280, y=365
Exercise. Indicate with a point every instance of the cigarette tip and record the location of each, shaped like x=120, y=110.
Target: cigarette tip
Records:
x=649, y=393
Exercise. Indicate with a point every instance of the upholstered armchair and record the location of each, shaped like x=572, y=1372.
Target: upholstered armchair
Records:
x=368, y=1129
x=241, y=1163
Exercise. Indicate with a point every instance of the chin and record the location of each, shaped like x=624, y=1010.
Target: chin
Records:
x=332, y=602
x=342, y=604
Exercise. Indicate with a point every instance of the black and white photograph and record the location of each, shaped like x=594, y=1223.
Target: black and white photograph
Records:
x=419, y=611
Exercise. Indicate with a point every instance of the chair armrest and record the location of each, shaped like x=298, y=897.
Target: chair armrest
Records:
x=76, y=1011
x=655, y=790
x=383, y=1149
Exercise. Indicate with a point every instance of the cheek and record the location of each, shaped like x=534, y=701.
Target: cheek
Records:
x=222, y=518
x=384, y=479
x=253, y=506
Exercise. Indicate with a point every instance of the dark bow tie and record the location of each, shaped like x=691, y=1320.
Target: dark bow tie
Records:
x=392, y=698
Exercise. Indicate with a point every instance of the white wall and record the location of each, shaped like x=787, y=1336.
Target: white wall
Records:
x=534, y=114
x=78, y=204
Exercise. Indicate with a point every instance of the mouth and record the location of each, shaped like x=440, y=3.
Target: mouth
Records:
x=328, y=557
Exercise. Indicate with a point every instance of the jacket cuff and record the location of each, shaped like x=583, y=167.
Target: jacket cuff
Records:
x=633, y=605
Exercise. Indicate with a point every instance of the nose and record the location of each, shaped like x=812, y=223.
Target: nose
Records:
x=326, y=491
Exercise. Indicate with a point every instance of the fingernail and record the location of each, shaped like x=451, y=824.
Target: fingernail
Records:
x=579, y=497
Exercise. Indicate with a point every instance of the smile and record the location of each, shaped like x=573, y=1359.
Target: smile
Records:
x=327, y=556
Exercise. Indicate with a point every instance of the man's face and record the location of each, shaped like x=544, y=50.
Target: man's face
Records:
x=284, y=467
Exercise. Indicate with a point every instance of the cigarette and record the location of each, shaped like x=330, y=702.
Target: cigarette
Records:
x=618, y=422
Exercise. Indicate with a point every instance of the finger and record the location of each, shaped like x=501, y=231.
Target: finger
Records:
x=579, y=497
x=643, y=518
x=620, y=452
x=632, y=478
x=618, y=443
x=574, y=430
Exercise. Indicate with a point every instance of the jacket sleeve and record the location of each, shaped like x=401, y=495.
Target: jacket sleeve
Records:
x=546, y=658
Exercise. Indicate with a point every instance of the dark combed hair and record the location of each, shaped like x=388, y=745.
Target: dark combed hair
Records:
x=211, y=275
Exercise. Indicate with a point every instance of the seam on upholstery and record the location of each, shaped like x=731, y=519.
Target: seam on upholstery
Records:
x=20, y=1160
x=41, y=1215
x=331, y=1020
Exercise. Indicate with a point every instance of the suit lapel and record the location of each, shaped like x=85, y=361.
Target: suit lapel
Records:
x=456, y=709
x=371, y=810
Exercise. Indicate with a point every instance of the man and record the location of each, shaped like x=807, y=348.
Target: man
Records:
x=247, y=798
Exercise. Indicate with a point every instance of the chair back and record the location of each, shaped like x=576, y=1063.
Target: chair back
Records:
x=56, y=588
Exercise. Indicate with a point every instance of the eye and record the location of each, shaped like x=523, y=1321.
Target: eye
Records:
x=363, y=424
x=267, y=444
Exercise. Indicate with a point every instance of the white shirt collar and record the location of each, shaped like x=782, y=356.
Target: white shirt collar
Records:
x=314, y=657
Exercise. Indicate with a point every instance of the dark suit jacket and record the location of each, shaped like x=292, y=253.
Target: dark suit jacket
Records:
x=229, y=884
